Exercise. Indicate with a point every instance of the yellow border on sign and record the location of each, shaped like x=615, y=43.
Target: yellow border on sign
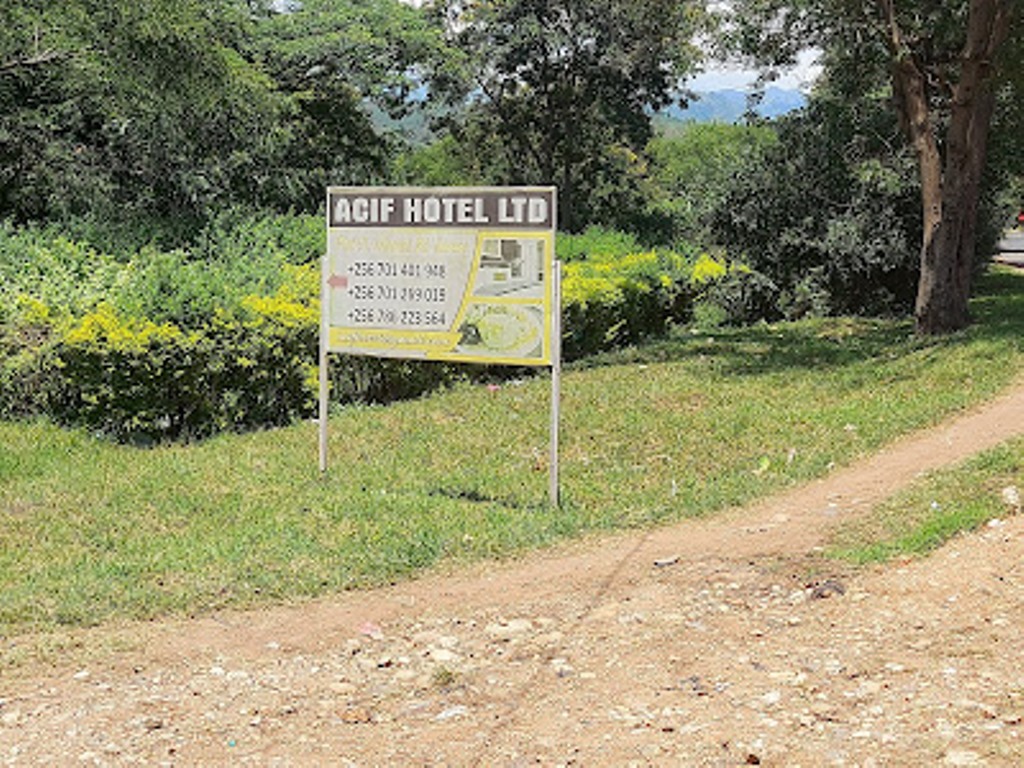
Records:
x=441, y=345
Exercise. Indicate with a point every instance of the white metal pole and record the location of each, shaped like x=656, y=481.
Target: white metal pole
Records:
x=324, y=381
x=556, y=380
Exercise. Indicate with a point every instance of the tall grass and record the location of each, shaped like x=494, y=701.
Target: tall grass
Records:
x=91, y=531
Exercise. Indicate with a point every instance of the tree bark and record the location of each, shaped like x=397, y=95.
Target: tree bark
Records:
x=36, y=60
x=950, y=198
x=947, y=261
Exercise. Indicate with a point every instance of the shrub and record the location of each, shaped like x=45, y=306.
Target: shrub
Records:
x=610, y=301
x=730, y=293
x=596, y=243
x=245, y=237
x=65, y=275
x=357, y=379
x=166, y=345
x=236, y=256
x=830, y=215
x=138, y=380
x=26, y=337
x=123, y=377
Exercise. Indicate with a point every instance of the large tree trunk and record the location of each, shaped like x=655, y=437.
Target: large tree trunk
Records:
x=910, y=90
x=948, y=257
x=950, y=189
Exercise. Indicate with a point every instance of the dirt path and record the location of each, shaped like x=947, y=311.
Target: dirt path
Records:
x=707, y=643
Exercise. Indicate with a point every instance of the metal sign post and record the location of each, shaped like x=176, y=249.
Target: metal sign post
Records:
x=556, y=384
x=324, y=381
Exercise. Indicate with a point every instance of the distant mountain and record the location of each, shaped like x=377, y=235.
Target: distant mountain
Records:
x=728, y=106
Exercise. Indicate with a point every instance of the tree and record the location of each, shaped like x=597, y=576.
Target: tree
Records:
x=946, y=62
x=351, y=71
x=566, y=89
x=697, y=164
x=129, y=108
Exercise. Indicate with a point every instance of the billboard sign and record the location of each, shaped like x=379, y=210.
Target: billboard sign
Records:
x=448, y=273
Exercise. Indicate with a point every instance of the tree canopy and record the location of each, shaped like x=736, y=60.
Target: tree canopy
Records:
x=564, y=90
x=161, y=115
x=140, y=105
x=173, y=109
x=948, y=66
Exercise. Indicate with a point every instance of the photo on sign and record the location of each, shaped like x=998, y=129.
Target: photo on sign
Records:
x=512, y=267
x=502, y=330
x=504, y=314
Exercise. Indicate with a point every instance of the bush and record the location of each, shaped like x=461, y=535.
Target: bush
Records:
x=26, y=339
x=65, y=275
x=168, y=345
x=138, y=380
x=596, y=243
x=730, y=293
x=610, y=301
x=831, y=215
x=248, y=238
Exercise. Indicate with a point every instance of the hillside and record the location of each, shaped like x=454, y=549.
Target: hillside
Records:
x=728, y=106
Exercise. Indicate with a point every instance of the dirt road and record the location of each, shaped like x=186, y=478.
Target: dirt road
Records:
x=709, y=643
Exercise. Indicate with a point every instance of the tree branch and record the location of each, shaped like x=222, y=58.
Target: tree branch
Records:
x=36, y=60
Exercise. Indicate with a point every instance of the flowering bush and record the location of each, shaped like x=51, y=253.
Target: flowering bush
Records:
x=135, y=379
x=165, y=345
x=611, y=301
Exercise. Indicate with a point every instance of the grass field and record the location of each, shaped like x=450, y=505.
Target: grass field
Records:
x=936, y=508
x=91, y=531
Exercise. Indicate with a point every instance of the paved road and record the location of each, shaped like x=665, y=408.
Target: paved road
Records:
x=1011, y=248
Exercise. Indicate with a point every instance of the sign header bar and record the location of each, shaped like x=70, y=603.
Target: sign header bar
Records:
x=505, y=208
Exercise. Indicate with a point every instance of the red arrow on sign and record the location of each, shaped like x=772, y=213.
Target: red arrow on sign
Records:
x=337, y=282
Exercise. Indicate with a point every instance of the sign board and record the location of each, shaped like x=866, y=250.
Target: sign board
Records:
x=458, y=274
x=464, y=274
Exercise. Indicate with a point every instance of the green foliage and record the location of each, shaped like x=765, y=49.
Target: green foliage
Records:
x=1003, y=195
x=348, y=70
x=162, y=344
x=139, y=380
x=561, y=93
x=596, y=242
x=163, y=113
x=380, y=49
x=829, y=216
x=67, y=275
x=236, y=255
x=951, y=71
x=729, y=293
x=610, y=301
x=122, y=109
x=697, y=166
x=240, y=235
x=223, y=336
x=442, y=163
x=27, y=331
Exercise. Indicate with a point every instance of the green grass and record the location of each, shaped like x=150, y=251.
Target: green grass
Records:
x=91, y=532
x=922, y=518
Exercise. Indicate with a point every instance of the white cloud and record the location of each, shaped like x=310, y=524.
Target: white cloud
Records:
x=723, y=76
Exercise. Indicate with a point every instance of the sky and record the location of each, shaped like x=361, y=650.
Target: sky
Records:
x=721, y=76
